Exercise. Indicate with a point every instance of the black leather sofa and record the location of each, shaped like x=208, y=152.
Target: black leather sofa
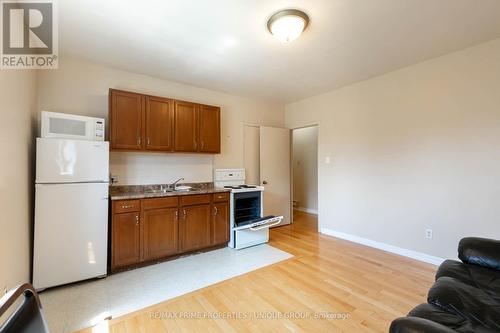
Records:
x=465, y=297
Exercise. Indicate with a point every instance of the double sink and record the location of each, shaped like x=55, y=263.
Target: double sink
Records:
x=169, y=190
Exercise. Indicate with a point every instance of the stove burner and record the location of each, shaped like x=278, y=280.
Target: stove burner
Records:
x=239, y=187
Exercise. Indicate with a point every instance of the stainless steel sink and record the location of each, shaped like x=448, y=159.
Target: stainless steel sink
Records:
x=160, y=191
x=165, y=190
x=189, y=190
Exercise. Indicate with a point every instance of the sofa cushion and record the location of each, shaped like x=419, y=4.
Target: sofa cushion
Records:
x=466, y=301
x=418, y=325
x=453, y=321
x=480, y=277
x=480, y=251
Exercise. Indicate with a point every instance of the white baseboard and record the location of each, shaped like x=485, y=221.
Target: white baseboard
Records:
x=306, y=210
x=385, y=247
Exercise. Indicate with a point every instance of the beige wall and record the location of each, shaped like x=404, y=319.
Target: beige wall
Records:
x=82, y=88
x=17, y=132
x=305, y=168
x=413, y=149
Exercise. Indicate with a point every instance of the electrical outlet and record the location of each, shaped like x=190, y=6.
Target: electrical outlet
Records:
x=428, y=233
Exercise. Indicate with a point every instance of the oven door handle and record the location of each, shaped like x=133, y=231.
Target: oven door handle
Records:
x=266, y=226
x=255, y=227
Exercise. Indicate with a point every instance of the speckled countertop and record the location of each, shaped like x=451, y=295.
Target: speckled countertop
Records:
x=128, y=192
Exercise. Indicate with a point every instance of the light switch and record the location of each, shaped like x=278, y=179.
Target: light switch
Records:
x=327, y=160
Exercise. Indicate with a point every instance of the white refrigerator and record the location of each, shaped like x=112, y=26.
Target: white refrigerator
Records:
x=71, y=211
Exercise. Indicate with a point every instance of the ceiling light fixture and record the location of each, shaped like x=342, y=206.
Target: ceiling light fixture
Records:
x=287, y=25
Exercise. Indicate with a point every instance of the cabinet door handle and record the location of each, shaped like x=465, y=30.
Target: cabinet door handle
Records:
x=138, y=141
x=195, y=144
x=148, y=141
x=202, y=145
x=216, y=210
x=184, y=213
x=137, y=220
x=176, y=214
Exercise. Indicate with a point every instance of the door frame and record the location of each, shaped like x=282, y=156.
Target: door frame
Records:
x=243, y=125
x=317, y=166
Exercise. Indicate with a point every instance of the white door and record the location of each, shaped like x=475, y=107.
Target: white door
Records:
x=275, y=171
x=71, y=161
x=71, y=233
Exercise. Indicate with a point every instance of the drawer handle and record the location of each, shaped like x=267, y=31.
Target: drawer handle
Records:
x=127, y=206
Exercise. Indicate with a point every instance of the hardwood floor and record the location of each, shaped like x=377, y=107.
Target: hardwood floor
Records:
x=352, y=288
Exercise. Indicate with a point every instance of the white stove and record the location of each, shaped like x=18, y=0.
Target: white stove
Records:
x=247, y=225
x=234, y=179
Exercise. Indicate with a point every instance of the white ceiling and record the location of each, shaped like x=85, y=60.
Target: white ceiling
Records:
x=224, y=45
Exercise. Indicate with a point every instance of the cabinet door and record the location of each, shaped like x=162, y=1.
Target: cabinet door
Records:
x=194, y=227
x=209, y=129
x=125, y=239
x=220, y=223
x=159, y=124
x=126, y=120
x=160, y=233
x=185, y=127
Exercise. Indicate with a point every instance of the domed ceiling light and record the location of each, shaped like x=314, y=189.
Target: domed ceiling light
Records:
x=288, y=24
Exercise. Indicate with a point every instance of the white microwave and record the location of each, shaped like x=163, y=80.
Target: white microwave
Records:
x=69, y=126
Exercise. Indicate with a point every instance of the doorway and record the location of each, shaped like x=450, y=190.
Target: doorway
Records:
x=305, y=170
x=267, y=153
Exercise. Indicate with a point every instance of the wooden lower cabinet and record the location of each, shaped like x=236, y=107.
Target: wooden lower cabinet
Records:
x=161, y=227
x=126, y=239
x=164, y=227
x=194, y=231
x=220, y=225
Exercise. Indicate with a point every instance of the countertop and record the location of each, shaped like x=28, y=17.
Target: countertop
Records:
x=128, y=192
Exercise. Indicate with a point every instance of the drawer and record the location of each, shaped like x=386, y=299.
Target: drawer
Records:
x=218, y=197
x=166, y=202
x=199, y=199
x=126, y=206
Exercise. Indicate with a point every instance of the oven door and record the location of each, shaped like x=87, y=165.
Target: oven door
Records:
x=264, y=224
x=255, y=233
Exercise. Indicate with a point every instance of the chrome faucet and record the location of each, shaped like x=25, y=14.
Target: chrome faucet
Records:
x=174, y=184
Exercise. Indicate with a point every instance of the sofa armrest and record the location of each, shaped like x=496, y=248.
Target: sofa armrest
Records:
x=418, y=325
x=480, y=251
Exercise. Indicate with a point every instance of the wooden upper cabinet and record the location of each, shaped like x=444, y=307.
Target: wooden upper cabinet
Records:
x=186, y=127
x=209, y=132
x=148, y=123
x=159, y=124
x=126, y=119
